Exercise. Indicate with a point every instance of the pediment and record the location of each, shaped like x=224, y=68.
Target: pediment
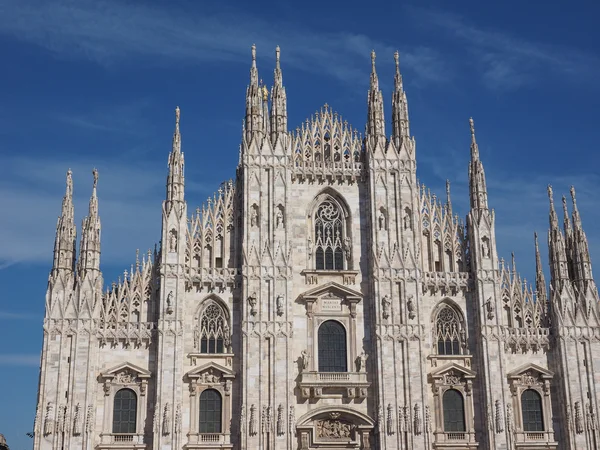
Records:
x=332, y=289
x=528, y=369
x=453, y=369
x=213, y=369
x=126, y=370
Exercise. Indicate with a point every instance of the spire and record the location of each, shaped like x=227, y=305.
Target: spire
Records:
x=175, y=179
x=540, y=281
x=448, y=200
x=582, y=265
x=376, y=120
x=278, y=101
x=89, y=248
x=254, y=98
x=400, y=122
x=477, y=182
x=556, y=248
x=66, y=232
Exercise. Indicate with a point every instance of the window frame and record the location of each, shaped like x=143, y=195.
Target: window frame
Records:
x=447, y=421
x=220, y=412
x=342, y=247
x=540, y=404
x=135, y=411
x=343, y=362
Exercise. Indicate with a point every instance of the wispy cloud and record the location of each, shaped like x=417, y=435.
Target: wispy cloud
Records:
x=110, y=32
x=11, y=315
x=19, y=360
x=507, y=61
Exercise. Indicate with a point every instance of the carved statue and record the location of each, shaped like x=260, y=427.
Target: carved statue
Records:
x=381, y=220
x=252, y=303
x=485, y=247
x=173, y=241
x=254, y=216
x=385, y=306
x=411, y=307
x=407, y=221
x=279, y=219
x=361, y=362
x=347, y=246
x=279, y=305
x=305, y=360
x=170, y=303
x=309, y=247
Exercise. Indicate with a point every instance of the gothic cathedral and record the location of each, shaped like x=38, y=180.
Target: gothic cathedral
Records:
x=322, y=300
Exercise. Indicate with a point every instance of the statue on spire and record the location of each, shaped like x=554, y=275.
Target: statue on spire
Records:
x=95, y=175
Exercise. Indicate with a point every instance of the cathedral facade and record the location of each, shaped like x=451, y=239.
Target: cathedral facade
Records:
x=322, y=300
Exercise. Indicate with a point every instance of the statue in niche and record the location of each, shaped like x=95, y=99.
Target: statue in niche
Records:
x=385, y=306
x=410, y=305
x=361, y=362
x=279, y=223
x=485, y=247
x=252, y=303
x=407, y=219
x=381, y=220
x=170, y=303
x=173, y=241
x=279, y=305
x=304, y=360
x=254, y=216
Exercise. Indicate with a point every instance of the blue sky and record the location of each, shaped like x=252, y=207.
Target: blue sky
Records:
x=93, y=83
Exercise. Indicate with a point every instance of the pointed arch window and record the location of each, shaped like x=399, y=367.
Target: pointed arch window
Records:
x=125, y=412
x=210, y=411
x=214, y=330
x=329, y=237
x=332, y=347
x=454, y=411
x=531, y=407
x=448, y=332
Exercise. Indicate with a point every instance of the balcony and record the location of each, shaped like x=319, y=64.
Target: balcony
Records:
x=122, y=441
x=333, y=384
x=535, y=439
x=455, y=440
x=208, y=441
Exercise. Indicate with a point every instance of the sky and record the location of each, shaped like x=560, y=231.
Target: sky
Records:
x=94, y=83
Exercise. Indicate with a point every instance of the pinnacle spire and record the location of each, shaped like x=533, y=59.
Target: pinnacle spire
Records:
x=477, y=181
x=397, y=77
x=576, y=216
x=89, y=249
x=400, y=123
x=64, y=243
x=556, y=247
x=579, y=250
x=255, y=119
x=474, y=147
x=448, y=199
x=175, y=178
x=278, y=101
x=540, y=281
x=376, y=120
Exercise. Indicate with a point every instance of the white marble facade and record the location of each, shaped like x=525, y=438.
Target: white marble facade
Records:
x=322, y=300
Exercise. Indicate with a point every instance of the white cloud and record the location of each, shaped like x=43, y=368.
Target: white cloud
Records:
x=12, y=315
x=110, y=32
x=507, y=61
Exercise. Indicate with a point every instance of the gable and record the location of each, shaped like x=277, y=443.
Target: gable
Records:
x=126, y=370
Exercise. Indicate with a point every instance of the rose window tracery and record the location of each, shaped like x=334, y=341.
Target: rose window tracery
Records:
x=214, y=331
x=329, y=237
x=448, y=332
